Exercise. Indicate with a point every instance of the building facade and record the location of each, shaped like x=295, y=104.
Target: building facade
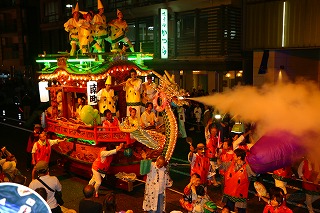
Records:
x=18, y=24
x=204, y=37
x=282, y=37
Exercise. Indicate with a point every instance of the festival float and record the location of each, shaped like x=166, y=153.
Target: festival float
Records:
x=64, y=78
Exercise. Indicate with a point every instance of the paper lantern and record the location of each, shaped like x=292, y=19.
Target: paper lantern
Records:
x=44, y=93
x=238, y=128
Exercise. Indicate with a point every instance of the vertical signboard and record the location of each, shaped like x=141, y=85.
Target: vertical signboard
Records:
x=92, y=87
x=164, y=33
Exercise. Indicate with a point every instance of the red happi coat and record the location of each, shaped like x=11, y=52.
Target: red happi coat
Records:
x=102, y=167
x=281, y=209
x=212, y=145
x=43, y=152
x=236, y=182
x=225, y=156
x=311, y=176
x=201, y=166
x=245, y=148
x=283, y=172
x=114, y=123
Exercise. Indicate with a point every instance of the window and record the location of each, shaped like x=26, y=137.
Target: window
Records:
x=51, y=11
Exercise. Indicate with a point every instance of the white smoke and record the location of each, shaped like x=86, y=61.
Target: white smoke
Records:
x=285, y=106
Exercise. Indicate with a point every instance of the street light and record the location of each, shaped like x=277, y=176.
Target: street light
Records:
x=4, y=115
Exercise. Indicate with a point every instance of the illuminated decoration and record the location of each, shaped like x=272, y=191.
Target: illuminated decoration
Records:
x=143, y=57
x=239, y=74
x=164, y=33
x=238, y=128
x=78, y=71
x=92, y=90
x=171, y=93
x=217, y=116
x=44, y=93
x=131, y=57
x=284, y=23
x=228, y=75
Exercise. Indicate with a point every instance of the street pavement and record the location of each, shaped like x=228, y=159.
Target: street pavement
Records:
x=15, y=139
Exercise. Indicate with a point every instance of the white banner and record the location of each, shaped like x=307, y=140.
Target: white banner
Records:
x=92, y=87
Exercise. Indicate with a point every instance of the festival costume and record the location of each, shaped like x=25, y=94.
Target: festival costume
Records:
x=147, y=118
x=281, y=176
x=133, y=122
x=212, y=143
x=225, y=156
x=200, y=165
x=237, y=144
x=310, y=172
x=106, y=100
x=85, y=32
x=157, y=182
x=118, y=29
x=148, y=91
x=133, y=97
x=42, y=150
x=190, y=196
x=281, y=209
x=100, y=167
x=237, y=185
x=73, y=32
x=113, y=123
x=34, y=137
x=100, y=25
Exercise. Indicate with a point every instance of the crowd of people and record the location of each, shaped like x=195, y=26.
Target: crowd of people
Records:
x=139, y=104
x=217, y=161
x=223, y=155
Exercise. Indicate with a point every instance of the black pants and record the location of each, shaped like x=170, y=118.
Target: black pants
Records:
x=231, y=205
x=56, y=210
x=29, y=159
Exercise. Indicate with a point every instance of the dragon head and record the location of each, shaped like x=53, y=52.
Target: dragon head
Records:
x=171, y=89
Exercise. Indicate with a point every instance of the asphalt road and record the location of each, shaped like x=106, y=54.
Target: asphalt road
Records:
x=15, y=139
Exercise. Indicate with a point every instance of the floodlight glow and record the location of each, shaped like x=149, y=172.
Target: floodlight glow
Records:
x=283, y=24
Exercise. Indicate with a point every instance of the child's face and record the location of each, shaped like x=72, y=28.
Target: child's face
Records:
x=225, y=145
x=159, y=163
x=108, y=86
x=201, y=151
x=213, y=131
x=274, y=202
x=133, y=113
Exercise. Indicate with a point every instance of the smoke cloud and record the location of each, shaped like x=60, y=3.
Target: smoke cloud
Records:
x=293, y=107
